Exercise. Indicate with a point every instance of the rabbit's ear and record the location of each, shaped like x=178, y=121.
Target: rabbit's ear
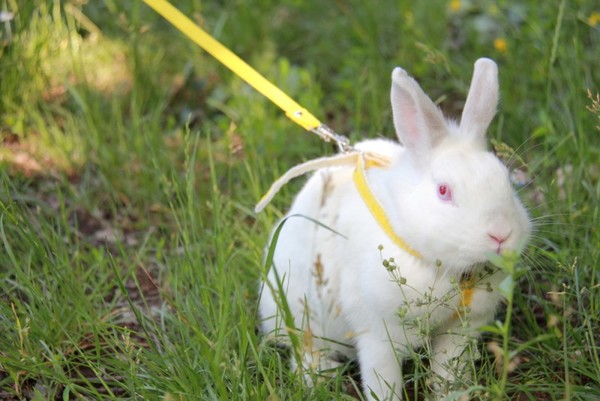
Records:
x=419, y=124
x=482, y=101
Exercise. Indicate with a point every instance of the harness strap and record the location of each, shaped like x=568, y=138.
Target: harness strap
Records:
x=361, y=161
x=362, y=185
x=467, y=289
x=343, y=159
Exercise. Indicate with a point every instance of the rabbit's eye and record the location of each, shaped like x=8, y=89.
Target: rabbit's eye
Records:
x=444, y=192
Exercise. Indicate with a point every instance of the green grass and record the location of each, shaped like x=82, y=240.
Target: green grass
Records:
x=130, y=162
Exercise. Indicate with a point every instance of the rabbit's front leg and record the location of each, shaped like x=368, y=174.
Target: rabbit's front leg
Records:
x=380, y=368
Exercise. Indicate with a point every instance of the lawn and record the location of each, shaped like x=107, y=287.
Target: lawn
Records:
x=130, y=163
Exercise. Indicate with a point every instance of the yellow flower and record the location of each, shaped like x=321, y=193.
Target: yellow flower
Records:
x=500, y=45
x=455, y=5
x=594, y=18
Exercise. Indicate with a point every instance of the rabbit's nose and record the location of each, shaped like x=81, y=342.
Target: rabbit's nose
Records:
x=499, y=239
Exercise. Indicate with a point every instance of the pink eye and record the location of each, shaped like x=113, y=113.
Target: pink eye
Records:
x=444, y=192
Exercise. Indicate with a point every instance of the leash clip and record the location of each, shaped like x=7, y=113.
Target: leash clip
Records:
x=327, y=134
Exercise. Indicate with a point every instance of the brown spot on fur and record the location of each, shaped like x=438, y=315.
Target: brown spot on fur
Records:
x=318, y=273
x=327, y=187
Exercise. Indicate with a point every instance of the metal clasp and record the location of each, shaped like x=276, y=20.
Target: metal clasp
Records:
x=327, y=134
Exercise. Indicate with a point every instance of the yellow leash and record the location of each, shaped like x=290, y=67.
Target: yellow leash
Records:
x=293, y=110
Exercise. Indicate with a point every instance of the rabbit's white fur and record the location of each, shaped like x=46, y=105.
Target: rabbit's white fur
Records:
x=335, y=284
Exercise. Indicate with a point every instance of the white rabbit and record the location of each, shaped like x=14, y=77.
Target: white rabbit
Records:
x=352, y=291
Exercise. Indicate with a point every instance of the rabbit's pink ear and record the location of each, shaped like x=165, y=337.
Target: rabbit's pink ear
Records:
x=482, y=101
x=419, y=124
